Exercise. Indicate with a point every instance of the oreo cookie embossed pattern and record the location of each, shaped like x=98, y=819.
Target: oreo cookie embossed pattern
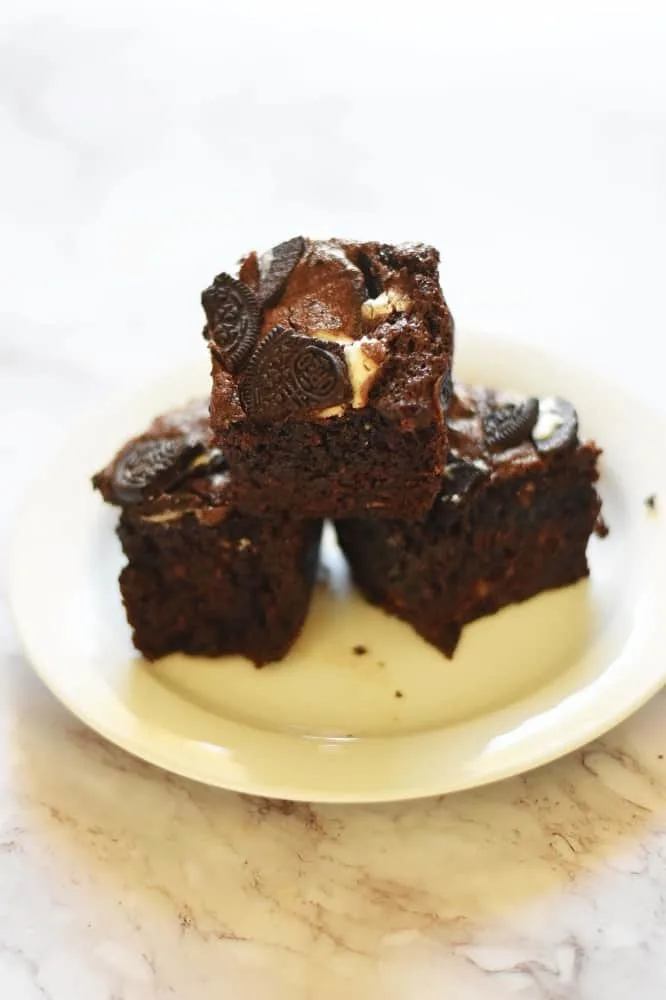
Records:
x=201, y=577
x=516, y=507
x=331, y=367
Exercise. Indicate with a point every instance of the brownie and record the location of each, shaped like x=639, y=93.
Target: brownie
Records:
x=331, y=364
x=516, y=507
x=201, y=577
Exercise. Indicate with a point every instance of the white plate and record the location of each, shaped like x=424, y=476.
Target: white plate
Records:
x=525, y=687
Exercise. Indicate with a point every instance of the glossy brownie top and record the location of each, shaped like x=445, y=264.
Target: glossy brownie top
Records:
x=313, y=328
x=499, y=435
x=170, y=469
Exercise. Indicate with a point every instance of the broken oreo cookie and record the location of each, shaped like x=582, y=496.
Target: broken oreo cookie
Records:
x=215, y=465
x=556, y=427
x=151, y=467
x=445, y=390
x=509, y=424
x=275, y=267
x=233, y=314
x=461, y=475
x=290, y=374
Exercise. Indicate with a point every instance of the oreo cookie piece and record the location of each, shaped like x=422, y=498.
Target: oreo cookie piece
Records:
x=461, y=475
x=556, y=427
x=215, y=464
x=445, y=390
x=233, y=315
x=290, y=374
x=151, y=467
x=275, y=266
x=509, y=424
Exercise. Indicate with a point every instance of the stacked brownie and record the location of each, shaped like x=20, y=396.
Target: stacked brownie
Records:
x=513, y=516
x=201, y=576
x=331, y=367
x=332, y=397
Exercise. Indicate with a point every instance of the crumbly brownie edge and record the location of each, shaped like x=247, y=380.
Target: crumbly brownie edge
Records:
x=241, y=587
x=437, y=574
x=353, y=465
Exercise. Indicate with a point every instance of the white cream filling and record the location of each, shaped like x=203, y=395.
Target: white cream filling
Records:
x=204, y=458
x=264, y=263
x=550, y=419
x=331, y=411
x=361, y=369
x=167, y=515
x=384, y=305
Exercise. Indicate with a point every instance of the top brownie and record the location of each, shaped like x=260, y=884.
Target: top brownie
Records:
x=331, y=369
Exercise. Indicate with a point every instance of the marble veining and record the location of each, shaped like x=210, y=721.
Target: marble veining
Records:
x=141, y=152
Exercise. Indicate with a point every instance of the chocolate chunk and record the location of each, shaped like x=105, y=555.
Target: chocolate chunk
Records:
x=651, y=502
x=373, y=282
x=233, y=314
x=510, y=424
x=275, y=266
x=151, y=467
x=290, y=374
x=557, y=426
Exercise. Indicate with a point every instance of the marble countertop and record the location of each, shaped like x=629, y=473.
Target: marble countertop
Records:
x=143, y=147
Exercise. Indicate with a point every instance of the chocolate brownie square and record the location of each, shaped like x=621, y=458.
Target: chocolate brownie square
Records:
x=201, y=577
x=331, y=366
x=516, y=507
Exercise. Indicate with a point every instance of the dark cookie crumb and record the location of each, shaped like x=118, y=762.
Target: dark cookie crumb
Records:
x=399, y=694
x=651, y=502
x=601, y=529
x=360, y=650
